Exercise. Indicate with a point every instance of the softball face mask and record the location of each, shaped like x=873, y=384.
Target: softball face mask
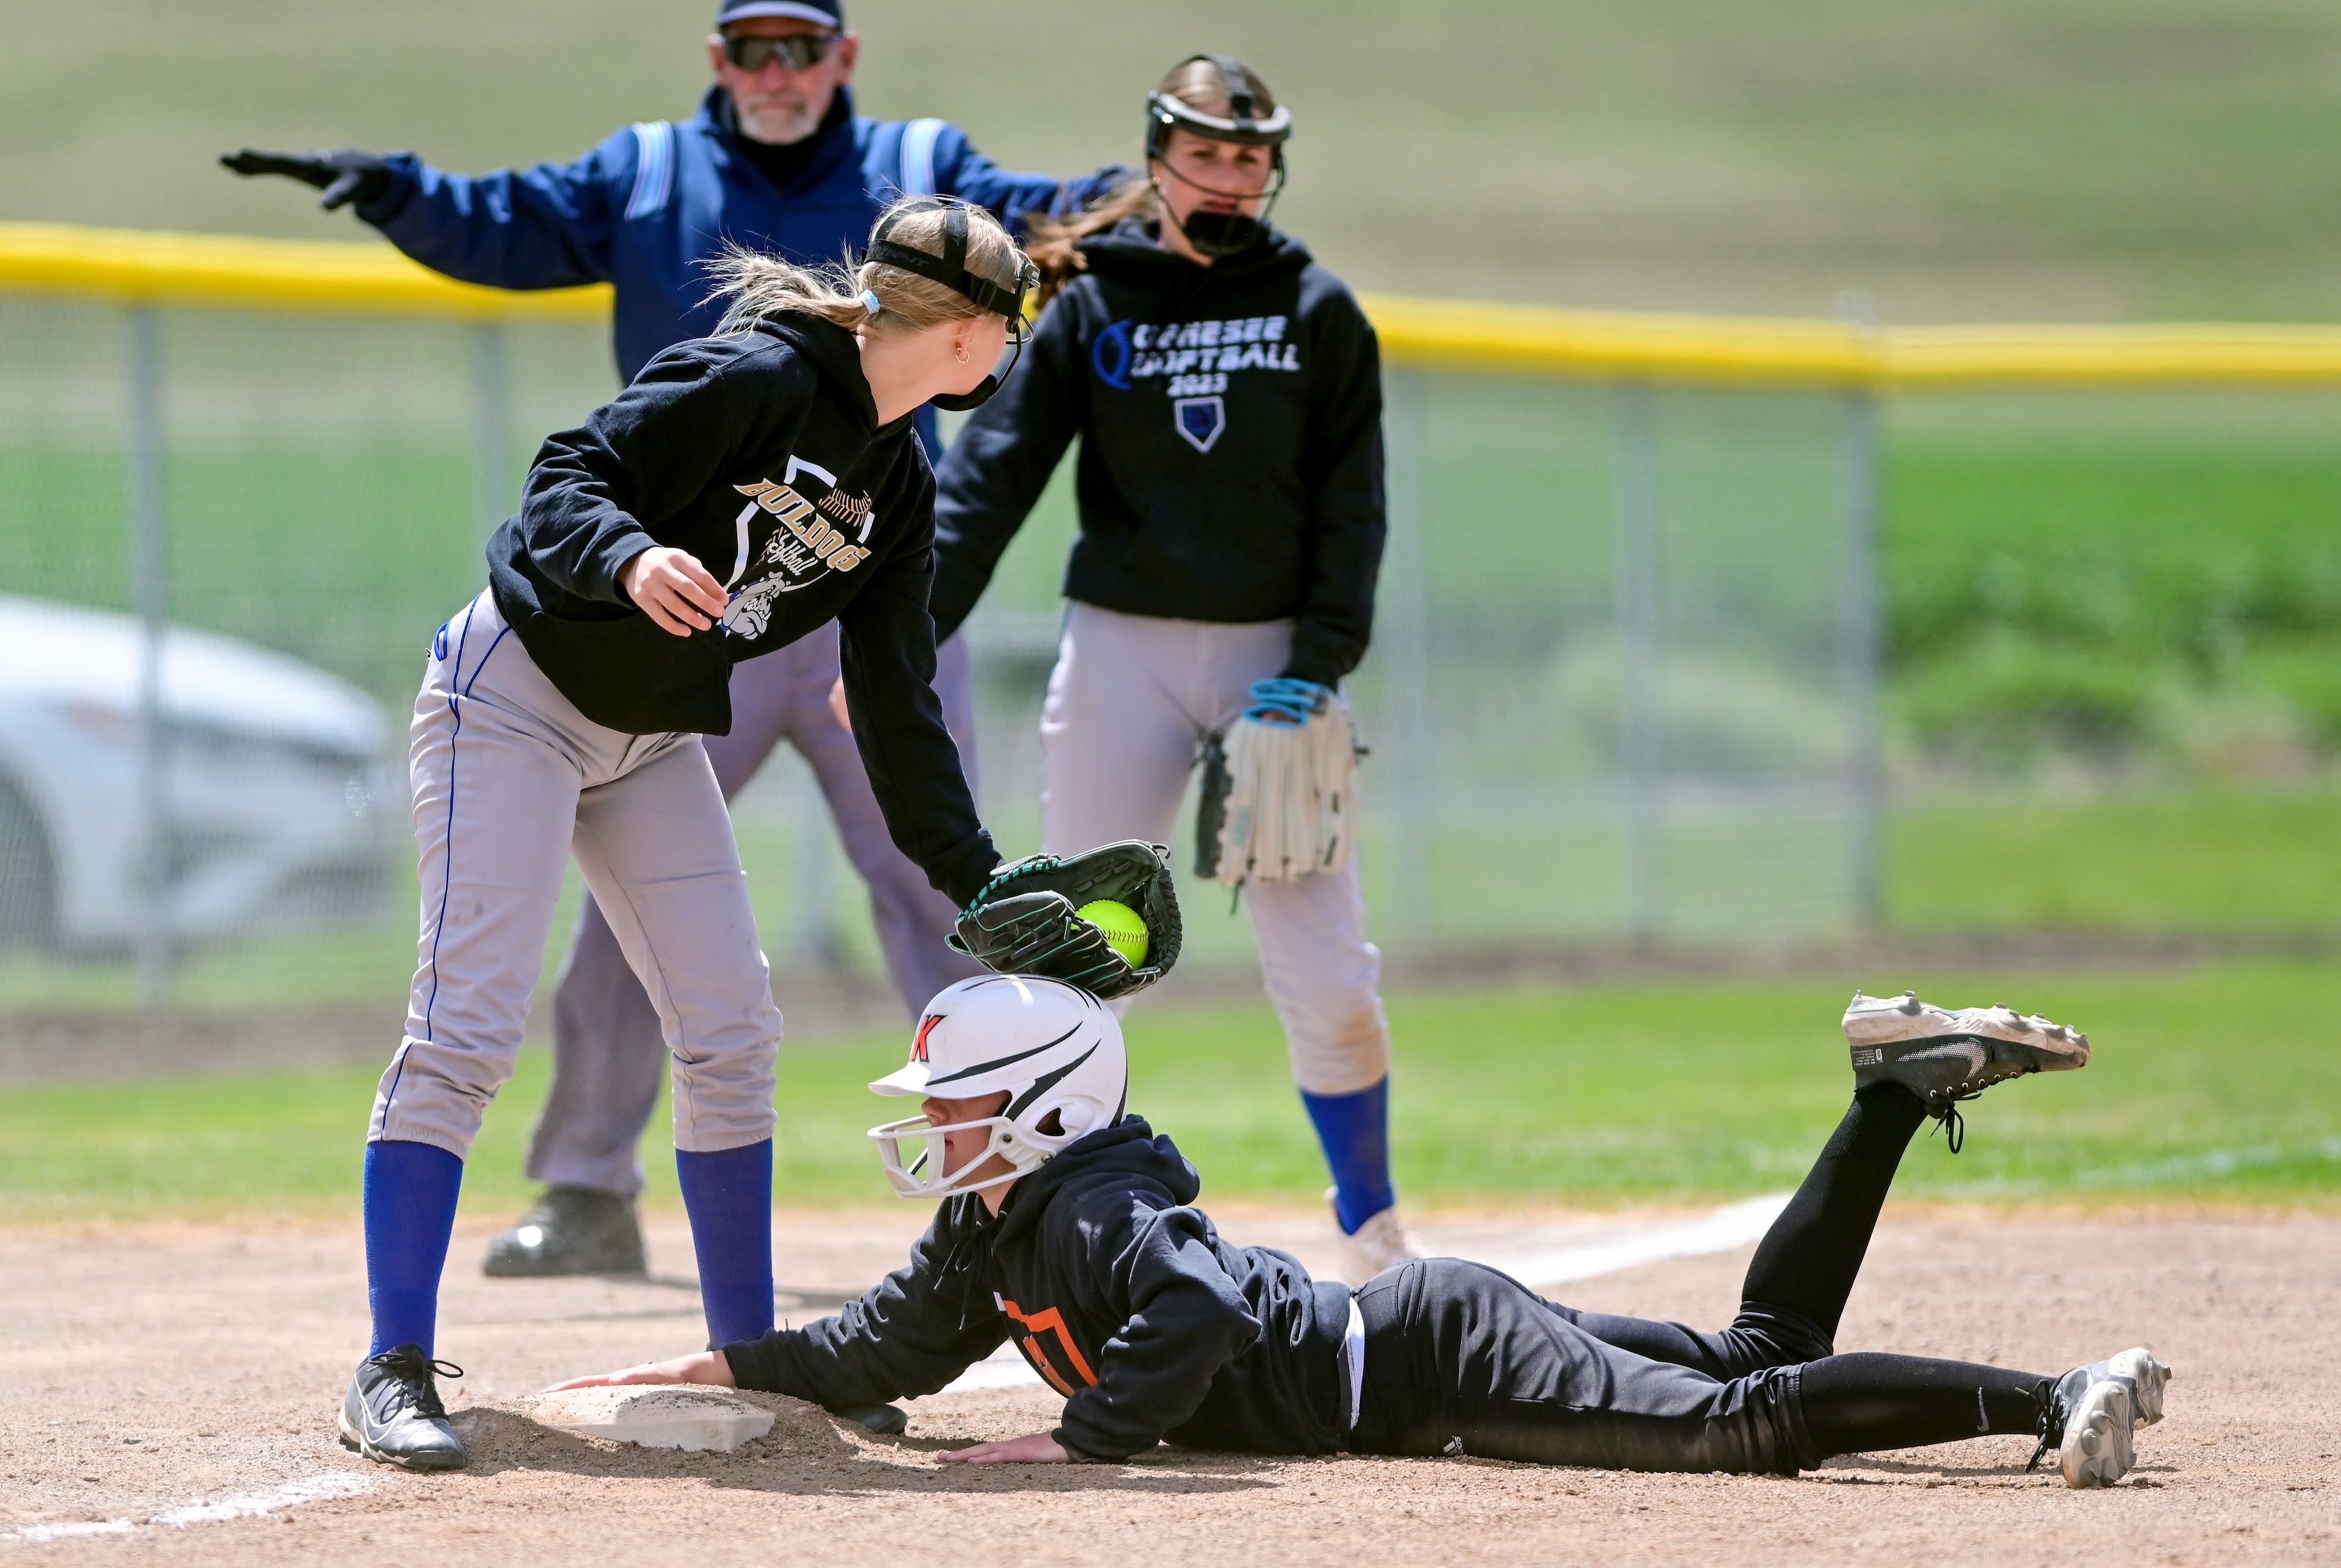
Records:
x=1055, y=1049
x=1221, y=234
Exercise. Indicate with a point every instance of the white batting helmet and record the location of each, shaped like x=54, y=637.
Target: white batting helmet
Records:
x=1055, y=1049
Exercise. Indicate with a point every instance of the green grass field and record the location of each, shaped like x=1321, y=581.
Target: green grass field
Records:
x=2217, y=1082
x=2229, y=861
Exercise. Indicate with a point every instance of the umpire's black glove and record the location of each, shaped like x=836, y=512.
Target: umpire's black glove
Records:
x=346, y=176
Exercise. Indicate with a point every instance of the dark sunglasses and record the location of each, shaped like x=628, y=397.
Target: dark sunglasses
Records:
x=800, y=51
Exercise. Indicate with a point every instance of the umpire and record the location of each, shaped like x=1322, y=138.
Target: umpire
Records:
x=775, y=160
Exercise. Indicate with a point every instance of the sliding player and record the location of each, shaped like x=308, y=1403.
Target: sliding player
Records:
x=1071, y=1227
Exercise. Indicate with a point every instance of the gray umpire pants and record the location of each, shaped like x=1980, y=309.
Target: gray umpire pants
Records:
x=510, y=781
x=1129, y=705
x=606, y=1059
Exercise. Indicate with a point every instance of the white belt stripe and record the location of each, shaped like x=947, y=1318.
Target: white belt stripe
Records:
x=653, y=168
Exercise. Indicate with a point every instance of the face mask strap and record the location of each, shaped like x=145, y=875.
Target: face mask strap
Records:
x=950, y=269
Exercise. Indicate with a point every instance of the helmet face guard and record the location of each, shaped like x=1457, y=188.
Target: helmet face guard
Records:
x=951, y=270
x=1221, y=234
x=924, y=1174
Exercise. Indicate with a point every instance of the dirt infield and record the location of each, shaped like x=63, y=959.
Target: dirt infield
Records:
x=166, y=1396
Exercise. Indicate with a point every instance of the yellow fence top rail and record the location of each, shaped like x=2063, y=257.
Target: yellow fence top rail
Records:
x=135, y=267
x=131, y=267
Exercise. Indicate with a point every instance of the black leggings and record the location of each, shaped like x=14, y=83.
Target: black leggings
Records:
x=1460, y=1359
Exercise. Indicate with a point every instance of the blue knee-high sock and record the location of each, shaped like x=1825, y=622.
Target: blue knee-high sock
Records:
x=409, y=1212
x=1354, y=1131
x=729, y=1197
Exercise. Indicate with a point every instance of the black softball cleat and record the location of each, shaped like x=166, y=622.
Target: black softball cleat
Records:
x=572, y=1231
x=392, y=1414
x=1946, y=1057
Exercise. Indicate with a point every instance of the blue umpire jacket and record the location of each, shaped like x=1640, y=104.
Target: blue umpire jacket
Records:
x=648, y=207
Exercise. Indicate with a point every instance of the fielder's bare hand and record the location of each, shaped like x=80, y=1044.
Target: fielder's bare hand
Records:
x=706, y=1366
x=1038, y=1449
x=673, y=590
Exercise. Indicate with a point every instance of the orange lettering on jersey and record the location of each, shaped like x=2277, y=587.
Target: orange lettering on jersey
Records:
x=1049, y=1321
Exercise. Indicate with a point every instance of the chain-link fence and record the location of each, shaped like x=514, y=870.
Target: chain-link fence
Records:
x=1625, y=681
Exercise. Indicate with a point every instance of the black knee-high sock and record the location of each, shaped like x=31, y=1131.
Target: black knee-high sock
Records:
x=1864, y=1403
x=1809, y=1258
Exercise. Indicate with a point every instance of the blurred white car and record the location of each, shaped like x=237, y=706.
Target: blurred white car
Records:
x=280, y=806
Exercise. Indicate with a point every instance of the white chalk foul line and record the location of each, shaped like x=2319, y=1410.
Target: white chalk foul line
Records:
x=1720, y=1231
x=242, y=1505
x=1726, y=1228
x=1005, y=1368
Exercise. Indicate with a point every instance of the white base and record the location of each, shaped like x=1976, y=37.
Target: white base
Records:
x=656, y=1416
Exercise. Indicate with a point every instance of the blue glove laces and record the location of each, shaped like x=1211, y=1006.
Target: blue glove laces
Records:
x=1287, y=701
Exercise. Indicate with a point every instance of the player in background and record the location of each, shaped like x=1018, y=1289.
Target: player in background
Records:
x=776, y=160
x=1227, y=393
x=746, y=490
x=1071, y=1227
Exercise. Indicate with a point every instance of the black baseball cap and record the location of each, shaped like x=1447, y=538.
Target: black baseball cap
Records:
x=827, y=13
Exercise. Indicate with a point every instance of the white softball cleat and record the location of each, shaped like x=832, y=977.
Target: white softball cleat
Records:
x=2138, y=1365
x=1945, y=1057
x=1382, y=1244
x=2093, y=1414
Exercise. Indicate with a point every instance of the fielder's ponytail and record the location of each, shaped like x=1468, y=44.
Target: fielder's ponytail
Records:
x=756, y=286
x=1055, y=244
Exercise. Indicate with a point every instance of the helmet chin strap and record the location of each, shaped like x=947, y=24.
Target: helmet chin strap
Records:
x=1218, y=234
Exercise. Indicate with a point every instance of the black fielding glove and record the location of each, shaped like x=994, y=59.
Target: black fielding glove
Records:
x=1023, y=922
x=346, y=176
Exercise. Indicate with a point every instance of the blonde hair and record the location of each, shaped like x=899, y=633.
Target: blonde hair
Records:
x=1055, y=244
x=758, y=286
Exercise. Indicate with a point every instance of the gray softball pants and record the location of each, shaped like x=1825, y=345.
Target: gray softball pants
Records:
x=607, y=1064
x=510, y=781
x=1129, y=705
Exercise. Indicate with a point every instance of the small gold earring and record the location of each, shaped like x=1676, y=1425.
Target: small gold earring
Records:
x=962, y=353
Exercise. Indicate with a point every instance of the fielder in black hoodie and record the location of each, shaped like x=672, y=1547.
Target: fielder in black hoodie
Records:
x=761, y=453
x=1226, y=392
x=1230, y=467
x=745, y=489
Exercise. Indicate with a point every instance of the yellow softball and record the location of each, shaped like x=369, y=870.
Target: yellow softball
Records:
x=1124, y=931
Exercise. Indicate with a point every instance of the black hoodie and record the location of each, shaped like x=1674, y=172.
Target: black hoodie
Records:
x=1121, y=1294
x=1231, y=458
x=761, y=454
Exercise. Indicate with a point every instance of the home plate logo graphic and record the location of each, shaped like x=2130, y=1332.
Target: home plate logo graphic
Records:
x=1201, y=420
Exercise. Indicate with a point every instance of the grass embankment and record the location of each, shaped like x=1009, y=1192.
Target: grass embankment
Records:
x=2214, y=1081
x=2012, y=158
